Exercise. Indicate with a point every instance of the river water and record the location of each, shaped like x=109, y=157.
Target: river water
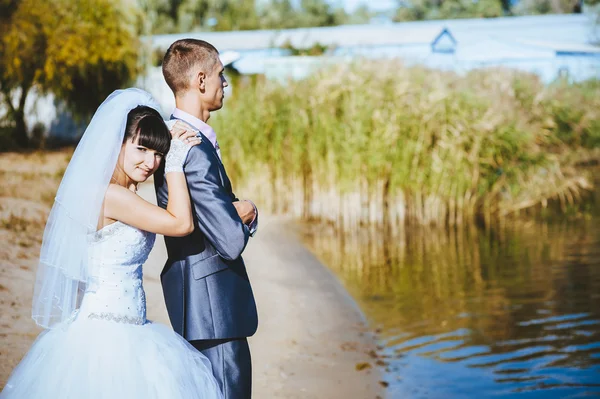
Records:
x=512, y=311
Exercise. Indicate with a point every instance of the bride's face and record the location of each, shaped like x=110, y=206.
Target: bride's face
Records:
x=139, y=162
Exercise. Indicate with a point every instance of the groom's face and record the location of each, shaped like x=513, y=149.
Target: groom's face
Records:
x=214, y=87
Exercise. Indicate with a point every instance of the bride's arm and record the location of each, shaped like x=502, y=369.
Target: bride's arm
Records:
x=126, y=206
x=176, y=221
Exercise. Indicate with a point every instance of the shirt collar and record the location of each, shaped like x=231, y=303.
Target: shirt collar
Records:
x=197, y=124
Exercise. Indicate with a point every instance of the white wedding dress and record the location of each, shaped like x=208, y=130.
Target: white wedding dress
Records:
x=109, y=349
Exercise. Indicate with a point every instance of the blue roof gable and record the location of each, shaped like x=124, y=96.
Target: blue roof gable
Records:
x=444, y=42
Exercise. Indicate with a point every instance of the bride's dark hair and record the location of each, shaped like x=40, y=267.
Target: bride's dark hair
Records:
x=146, y=124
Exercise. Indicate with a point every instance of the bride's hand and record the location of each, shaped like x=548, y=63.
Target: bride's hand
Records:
x=183, y=139
x=180, y=132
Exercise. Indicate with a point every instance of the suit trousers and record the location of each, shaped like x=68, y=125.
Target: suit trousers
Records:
x=231, y=365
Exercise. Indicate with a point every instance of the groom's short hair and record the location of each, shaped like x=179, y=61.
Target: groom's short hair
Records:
x=182, y=57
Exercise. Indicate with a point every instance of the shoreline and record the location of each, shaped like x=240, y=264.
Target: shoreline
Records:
x=312, y=338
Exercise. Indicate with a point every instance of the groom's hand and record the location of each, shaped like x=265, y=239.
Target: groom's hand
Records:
x=246, y=211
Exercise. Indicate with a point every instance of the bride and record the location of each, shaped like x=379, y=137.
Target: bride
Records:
x=88, y=293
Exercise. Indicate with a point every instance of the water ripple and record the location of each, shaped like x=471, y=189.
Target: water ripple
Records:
x=478, y=314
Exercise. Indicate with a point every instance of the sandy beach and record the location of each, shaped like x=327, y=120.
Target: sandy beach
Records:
x=312, y=341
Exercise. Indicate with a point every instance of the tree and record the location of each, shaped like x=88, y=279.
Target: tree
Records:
x=413, y=10
x=155, y=16
x=319, y=13
x=78, y=50
x=226, y=15
x=471, y=9
x=361, y=15
x=526, y=7
x=234, y=15
x=448, y=9
x=506, y=5
x=278, y=14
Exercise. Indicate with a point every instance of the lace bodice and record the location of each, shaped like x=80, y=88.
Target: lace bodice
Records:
x=114, y=290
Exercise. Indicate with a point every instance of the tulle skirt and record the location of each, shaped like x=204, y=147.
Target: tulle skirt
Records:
x=100, y=359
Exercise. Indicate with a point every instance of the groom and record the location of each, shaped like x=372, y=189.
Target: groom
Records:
x=205, y=284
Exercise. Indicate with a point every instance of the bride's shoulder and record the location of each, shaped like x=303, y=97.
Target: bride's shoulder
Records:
x=117, y=193
x=120, y=203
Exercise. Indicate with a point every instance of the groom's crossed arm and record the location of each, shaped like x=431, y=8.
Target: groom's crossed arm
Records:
x=217, y=216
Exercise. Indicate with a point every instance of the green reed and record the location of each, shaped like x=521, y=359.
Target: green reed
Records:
x=380, y=143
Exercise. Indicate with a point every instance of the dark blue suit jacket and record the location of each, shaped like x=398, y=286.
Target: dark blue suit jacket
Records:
x=205, y=284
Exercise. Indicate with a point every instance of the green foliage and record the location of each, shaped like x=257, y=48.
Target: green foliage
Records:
x=277, y=14
x=233, y=15
x=315, y=50
x=157, y=16
x=527, y=7
x=319, y=13
x=414, y=10
x=440, y=147
x=447, y=9
x=573, y=123
x=169, y=16
x=470, y=9
x=361, y=15
x=79, y=50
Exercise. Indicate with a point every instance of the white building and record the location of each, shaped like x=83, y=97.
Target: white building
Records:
x=549, y=45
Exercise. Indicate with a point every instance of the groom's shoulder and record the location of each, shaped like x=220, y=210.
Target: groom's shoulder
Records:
x=201, y=153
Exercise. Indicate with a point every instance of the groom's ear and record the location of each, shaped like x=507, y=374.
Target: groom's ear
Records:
x=201, y=80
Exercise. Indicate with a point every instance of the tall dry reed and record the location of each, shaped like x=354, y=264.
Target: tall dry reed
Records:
x=380, y=143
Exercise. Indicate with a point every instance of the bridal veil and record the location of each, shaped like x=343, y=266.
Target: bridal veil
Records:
x=63, y=267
